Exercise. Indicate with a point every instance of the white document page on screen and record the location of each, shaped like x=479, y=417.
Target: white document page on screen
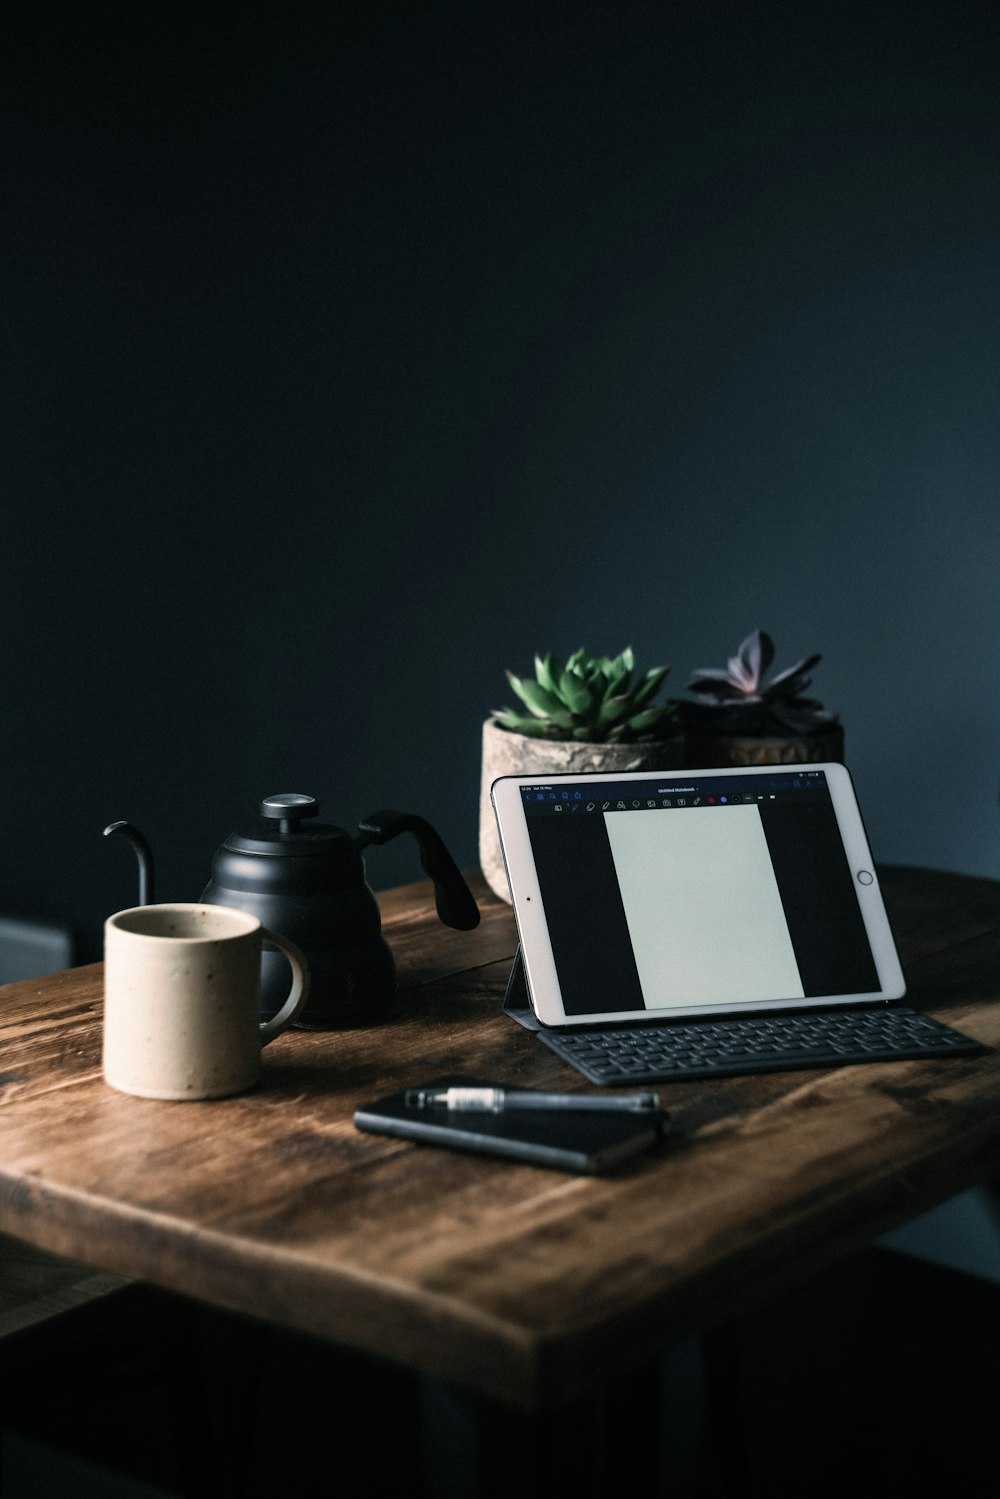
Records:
x=702, y=906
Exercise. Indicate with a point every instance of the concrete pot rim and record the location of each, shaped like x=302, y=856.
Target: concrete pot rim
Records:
x=581, y=744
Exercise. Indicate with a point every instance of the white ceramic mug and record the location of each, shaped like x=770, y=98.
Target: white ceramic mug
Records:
x=181, y=1000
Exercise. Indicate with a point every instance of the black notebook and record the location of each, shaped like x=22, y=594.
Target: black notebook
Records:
x=584, y=1142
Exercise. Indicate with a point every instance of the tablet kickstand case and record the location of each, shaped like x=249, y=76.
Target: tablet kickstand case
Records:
x=516, y=1002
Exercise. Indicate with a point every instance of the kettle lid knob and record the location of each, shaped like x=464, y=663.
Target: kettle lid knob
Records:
x=288, y=807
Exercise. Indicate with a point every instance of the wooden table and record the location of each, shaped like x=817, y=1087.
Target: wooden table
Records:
x=525, y=1285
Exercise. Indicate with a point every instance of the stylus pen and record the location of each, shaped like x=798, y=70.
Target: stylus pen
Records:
x=503, y=1100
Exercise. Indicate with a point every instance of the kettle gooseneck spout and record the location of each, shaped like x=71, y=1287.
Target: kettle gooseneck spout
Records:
x=144, y=855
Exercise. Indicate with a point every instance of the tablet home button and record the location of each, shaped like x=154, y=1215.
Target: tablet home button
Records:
x=865, y=876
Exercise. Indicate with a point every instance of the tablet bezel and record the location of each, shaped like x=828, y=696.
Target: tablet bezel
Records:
x=529, y=911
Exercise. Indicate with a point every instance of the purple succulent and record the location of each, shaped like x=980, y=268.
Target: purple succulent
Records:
x=738, y=700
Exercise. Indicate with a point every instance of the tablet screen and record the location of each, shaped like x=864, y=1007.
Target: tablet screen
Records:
x=694, y=892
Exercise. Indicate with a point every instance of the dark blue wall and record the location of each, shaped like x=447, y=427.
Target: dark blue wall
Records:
x=347, y=363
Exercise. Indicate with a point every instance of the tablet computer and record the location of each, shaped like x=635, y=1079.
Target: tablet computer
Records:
x=651, y=896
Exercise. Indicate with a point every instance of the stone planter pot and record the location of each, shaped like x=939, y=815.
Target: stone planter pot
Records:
x=704, y=750
x=508, y=754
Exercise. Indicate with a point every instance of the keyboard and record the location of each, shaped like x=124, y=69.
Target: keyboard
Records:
x=730, y=1046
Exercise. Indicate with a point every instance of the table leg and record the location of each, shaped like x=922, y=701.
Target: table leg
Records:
x=594, y=1448
x=720, y=1352
x=215, y=1367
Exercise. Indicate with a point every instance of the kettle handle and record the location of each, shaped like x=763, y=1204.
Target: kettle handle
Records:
x=456, y=905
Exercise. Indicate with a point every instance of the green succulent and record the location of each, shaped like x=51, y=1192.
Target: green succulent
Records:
x=595, y=699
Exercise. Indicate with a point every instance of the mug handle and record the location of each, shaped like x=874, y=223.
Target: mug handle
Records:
x=296, y=1000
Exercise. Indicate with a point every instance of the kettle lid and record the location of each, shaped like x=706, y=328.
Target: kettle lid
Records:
x=280, y=831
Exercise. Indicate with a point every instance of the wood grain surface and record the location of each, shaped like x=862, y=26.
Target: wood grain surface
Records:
x=519, y=1283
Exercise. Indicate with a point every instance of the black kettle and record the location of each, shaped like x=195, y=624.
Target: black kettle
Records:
x=306, y=880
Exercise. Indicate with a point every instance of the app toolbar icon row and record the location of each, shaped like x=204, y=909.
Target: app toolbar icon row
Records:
x=666, y=801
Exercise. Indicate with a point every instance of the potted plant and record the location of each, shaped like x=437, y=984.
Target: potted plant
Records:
x=739, y=718
x=591, y=714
